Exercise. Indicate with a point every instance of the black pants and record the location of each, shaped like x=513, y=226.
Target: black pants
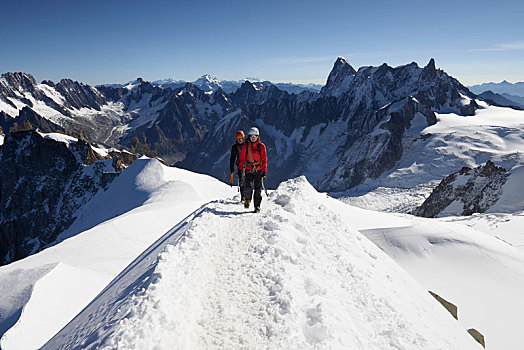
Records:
x=241, y=183
x=256, y=179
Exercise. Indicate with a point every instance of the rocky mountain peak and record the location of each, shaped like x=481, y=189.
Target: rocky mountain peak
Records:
x=207, y=83
x=429, y=72
x=193, y=89
x=431, y=64
x=341, y=64
x=245, y=92
x=48, y=83
x=208, y=77
x=79, y=95
x=19, y=80
x=339, y=78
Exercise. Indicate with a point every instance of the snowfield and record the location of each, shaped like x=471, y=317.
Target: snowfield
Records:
x=430, y=153
x=295, y=276
x=43, y=292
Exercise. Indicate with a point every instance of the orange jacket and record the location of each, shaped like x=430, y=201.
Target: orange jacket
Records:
x=259, y=160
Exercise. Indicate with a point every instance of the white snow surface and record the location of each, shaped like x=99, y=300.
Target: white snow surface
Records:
x=481, y=274
x=392, y=199
x=43, y=292
x=59, y=137
x=298, y=275
x=503, y=226
x=455, y=141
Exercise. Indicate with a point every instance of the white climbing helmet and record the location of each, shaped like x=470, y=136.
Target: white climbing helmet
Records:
x=253, y=131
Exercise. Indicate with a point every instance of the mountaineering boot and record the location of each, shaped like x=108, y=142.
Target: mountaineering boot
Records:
x=246, y=203
x=257, y=210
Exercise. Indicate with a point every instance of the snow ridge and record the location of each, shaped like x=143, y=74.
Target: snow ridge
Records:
x=295, y=276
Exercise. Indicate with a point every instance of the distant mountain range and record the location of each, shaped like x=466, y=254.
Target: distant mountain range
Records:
x=209, y=83
x=503, y=87
x=503, y=93
x=190, y=124
x=359, y=118
x=503, y=99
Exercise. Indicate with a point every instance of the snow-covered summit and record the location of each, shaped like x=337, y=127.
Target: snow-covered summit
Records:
x=207, y=83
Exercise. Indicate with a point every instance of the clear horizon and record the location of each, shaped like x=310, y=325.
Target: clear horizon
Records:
x=295, y=41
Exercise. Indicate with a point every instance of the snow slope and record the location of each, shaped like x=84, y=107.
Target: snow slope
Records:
x=42, y=293
x=482, y=275
x=296, y=276
x=503, y=226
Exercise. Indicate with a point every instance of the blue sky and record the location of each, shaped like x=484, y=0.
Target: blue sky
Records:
x=297, y=41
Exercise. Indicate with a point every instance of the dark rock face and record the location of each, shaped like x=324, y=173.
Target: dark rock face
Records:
x=42, y=183
x=17, y=81
x=249, y=94
x=28, y=115
x=181, y=123
x=112, y=93
x=79, y=95
x=370, y=153
x=470, y=190
x=453, y=310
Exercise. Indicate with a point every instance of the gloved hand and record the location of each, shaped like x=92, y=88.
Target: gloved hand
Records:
x=264, y=174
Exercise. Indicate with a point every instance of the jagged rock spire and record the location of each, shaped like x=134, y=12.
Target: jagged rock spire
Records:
x=429, y=72
x=339, y=78
x=341, y=68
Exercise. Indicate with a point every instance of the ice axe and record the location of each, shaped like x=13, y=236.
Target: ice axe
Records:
x=231, y=180
x=238, y=185
x=264, y=187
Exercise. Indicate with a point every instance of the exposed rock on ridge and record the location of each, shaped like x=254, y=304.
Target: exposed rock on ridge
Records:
x=42, y=183
x=465, y=192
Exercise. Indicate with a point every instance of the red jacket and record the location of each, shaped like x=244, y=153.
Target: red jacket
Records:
x=259, y=159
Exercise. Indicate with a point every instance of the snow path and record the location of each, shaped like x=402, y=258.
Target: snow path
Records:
x=292, y=277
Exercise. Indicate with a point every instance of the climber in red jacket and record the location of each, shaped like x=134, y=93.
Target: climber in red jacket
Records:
x=253, y=164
